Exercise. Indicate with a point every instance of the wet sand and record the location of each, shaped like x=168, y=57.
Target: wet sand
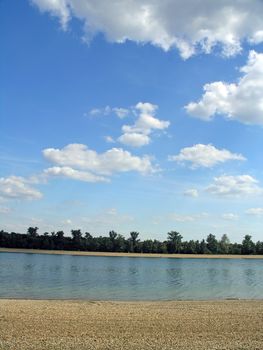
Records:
x=184, y=325
x=131, y=255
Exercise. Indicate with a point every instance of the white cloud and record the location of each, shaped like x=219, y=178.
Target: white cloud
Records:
x=236, y=186
x=187, y=218
x=192, y=192
x=58, y=8
x=109, y=139
x=182, y=218
x=191, y=26
x=69, y=172
x=134, y=139
x=229, y=216
x=138, y=134
x=119, y=111
x=67, y=222
x=16, y=187
x=80, y=157
x=242, y=101
x=255, y=211
x=147, y=122
x=100, y=111
x=204, y=156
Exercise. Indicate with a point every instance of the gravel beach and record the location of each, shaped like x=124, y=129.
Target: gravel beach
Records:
x=222, y=325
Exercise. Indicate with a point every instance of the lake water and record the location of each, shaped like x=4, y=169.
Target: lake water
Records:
x=40, y=276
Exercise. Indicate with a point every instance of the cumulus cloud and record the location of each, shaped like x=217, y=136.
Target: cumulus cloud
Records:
x=16, y=187
x=235, y=186
x=205, y=156
x=58, y=8
x=191, y=26
x=147, y=122
x=134, y=139
x=192, y=192
x=255, y=211
x=242, y=101
x=138, y=134
x=79, y=162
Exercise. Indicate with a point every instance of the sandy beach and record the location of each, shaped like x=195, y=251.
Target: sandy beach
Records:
x=131, y=255
x=210, y=325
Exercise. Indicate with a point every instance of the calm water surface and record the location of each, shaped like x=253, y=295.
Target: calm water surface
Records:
x=119, y=278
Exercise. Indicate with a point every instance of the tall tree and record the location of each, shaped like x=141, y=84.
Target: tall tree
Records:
x=60, y=234
x=76, y=235
x=113, y=235
x=174, y=242
x=212, y=244
x=224, y=244
x=32, y=231
x=134, y=240
x=77, y=239
x=248, y=246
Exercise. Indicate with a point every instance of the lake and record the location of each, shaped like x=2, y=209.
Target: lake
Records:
x=40, y=276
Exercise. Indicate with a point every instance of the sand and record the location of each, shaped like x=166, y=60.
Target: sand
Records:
x=210, y=325
x=131, y=255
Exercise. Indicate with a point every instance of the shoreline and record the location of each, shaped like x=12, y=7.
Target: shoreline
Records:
x=130, y=255
x=100, y=325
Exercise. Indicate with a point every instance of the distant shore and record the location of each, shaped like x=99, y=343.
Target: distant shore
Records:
x=171, y=325
x=131, y=255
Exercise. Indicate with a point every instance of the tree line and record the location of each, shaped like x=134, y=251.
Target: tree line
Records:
x=114, y=242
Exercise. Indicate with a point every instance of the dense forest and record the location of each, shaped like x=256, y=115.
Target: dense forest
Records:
x=115, y=242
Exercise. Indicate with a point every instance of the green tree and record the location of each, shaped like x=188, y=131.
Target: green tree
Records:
x=212, y=244
x=88, y=235
x=120, y=244
x=248, y=246
x=32, y=232
x=134, y=240
x=77, y=239
x=224, y=244
x=113, y=235
x=202, y=247
x=190, y=247
x=89, y=242
x=147, y=246
x=259, y=247
x=76, y=235
x=174, y=242
x=59, y=240
x=60, y=234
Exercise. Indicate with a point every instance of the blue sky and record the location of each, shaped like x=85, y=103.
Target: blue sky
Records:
x=119, y=116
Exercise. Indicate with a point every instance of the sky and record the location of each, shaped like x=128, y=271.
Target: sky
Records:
x=138, y=115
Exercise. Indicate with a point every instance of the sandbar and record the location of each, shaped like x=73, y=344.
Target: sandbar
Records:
x=131, y=255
